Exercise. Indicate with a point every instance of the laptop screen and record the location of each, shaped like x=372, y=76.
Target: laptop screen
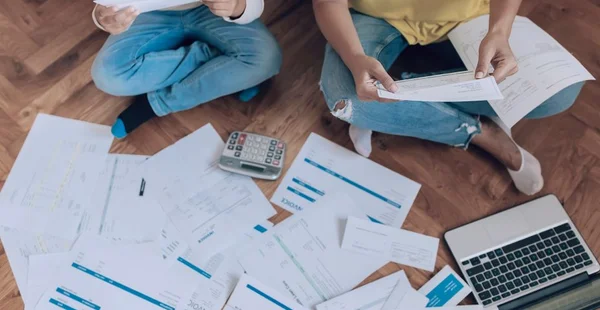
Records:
x=582, y=298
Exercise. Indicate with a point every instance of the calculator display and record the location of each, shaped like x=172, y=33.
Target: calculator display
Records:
x=254, y=168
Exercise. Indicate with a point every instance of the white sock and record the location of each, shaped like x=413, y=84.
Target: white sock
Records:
x=528, y=179
x=361, y=139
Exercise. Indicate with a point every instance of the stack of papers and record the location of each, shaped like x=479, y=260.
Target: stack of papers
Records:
x=84, y=229
x=145, y=5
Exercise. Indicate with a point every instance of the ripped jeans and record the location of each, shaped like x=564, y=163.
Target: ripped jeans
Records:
x=449, y=123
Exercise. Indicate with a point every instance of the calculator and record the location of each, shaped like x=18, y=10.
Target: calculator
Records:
x=253, y=155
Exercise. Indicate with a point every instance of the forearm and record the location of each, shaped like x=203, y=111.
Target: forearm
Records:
x=335, y=22
x=502, y=15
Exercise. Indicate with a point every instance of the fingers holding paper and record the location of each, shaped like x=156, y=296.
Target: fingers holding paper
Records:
x=226, y=8
x=115, y=21
x=495, y=50
x=367, y=72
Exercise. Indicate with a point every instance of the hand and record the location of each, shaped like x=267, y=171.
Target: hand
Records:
x=496, y=50
x=226, y=8
x=366, y=72
x=115, y=21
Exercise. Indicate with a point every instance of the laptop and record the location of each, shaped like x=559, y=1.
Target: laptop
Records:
x=527, y=257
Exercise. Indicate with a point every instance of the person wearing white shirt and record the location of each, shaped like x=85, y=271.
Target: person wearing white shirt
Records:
x=176, y=59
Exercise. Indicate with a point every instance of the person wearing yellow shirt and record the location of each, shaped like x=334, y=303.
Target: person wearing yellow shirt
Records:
x=364, y=42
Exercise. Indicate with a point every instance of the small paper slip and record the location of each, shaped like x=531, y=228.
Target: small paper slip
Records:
x=145, y=5
x=323, y=167
x=301, y=257
x=371, y=296
x=212, y=209
x=397, y=245
x=404, y=297
x=43, y=268
x=54, y=176
x=101, y=275
x=250, y=294
x=445, y=289
x=454, y=87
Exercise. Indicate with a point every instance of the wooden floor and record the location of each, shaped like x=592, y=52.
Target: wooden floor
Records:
x=47, y=47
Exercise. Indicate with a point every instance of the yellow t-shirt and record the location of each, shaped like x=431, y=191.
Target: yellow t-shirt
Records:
x=423, y=21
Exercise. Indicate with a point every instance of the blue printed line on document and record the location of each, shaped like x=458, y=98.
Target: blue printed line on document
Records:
x=123, y=287
x=260, y=229
x=444, y=291
x=343, y=178
x=267, y=297
x=60, y=304
x=301, y=194
x=309, y=187
x=194, y=267
x=77, y=298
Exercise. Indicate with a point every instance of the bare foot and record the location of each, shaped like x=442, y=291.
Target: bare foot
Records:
x=497, y=142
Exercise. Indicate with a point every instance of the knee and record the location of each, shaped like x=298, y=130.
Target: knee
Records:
x=265, y=56
x=558, y=103
x=108, y=79
x=337, y=84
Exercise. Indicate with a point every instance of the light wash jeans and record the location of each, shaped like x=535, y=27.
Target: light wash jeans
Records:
x=449, y=123
x=182, y=59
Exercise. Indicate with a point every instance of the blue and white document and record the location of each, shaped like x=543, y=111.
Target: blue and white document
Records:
x=446, y=288
x=301, y=257
x=251, y=294
x=323, y=168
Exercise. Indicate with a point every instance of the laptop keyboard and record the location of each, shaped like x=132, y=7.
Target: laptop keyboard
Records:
x=527, y=263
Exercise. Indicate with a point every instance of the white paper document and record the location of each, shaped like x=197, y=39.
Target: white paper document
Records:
x=43, y=269
x=101, y=275
x=251, y=294
x=404, y=297
x=144, y=5
x=446, y=288
x=301, y=257
x=370, y=296
x=545, y=67
x=121, y=209
x=323, y=168
x=397, y=245
x=54, y=176
x=212, y=209
x=453, y=87
x=19, y=246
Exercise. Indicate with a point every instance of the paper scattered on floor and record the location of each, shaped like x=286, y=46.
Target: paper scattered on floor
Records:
x=42, y=270
x=251, y=294
x=454, y=87
x=404, y=297
x=323, y=168
x=397, y=245
x=144, y=5
x=54, y=176
x=446, y=288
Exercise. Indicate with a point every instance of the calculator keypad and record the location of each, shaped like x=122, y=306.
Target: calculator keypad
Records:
x=256, y=149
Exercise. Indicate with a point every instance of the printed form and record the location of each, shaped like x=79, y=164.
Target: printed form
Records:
x=222, y=271
x=212, y=209
x=545, y=67
x=120, y=209
x=54, y=176
x=404, y=297
x=100, y=275
x=301, y=257
x=323, y=168
x=43, y=269
x=371, y=296
x=446, y=288
x=452, y=87
x=397, y=245
x=250, y=294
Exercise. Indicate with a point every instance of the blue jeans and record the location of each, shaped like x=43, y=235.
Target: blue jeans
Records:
x=449, y=123
x=182, y=59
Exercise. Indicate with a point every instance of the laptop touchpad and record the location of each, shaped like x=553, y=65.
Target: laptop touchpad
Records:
x=506, y=226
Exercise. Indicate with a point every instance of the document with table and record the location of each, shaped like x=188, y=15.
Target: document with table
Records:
x=251, y=294
x=397, y=245
x=210, y=208
x=545, y=67
x=453, y=87
x=301, y=257
x=54, y=176
x=323, y=167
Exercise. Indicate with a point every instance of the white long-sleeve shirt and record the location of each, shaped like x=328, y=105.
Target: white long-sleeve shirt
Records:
x=254, y=9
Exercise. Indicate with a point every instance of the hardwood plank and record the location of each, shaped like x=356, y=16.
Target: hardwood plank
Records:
x=14, y=41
